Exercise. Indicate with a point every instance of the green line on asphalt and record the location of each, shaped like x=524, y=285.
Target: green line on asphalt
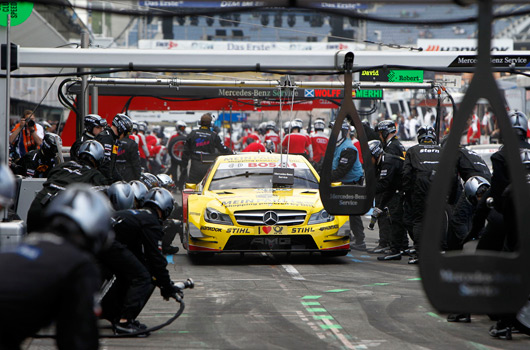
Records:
x=316, y=309
x=337, y=290
x=330, y=326
x=184, y=331
x=479, y=346
x=414, y=279
x=432, y=314
x=310, y=303
x=311, y=296
x=376, y=284
x=322, y=317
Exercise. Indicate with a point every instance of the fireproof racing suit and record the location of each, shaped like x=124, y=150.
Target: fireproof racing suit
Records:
x=108, y=140
x=501, y=192
x=34, y=164
x=132, y=287
x=394, y=146
x=389, y=195
x=128, y=160
x=60, y=177
x=142, y=233
x=468, y=164
x=47, y=279
x=420, y=165
x=77, y=143
x=200, y=144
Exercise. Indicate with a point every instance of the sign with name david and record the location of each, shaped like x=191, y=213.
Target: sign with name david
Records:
x=392, y=75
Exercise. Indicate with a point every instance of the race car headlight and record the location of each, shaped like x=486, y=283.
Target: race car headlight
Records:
x=214, y=216
x=320, y=217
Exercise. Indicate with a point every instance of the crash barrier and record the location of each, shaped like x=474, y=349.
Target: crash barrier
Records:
x=29, y=187
x=11, y=233
x=13, y=230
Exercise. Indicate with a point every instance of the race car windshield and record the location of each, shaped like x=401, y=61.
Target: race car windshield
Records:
x=225, y=179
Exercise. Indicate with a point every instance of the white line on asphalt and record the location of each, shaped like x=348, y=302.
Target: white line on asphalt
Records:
x=293, y=272
x=341, y=336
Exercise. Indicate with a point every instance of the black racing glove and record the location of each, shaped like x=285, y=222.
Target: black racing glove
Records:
x=171, y=291
x=168, y=292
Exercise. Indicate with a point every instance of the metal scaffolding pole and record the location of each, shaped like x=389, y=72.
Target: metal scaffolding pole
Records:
x=83, y=96
x=175, y=83
x=260, y=60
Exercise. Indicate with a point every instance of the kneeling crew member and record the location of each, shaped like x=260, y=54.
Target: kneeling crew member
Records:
x=141, y=231
x=52, y=276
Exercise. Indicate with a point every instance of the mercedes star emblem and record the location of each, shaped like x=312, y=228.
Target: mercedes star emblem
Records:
x=270, y=218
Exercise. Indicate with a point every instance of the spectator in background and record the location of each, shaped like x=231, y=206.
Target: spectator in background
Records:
x=272, y=135
x=412, y=127
x=296, y=142
x=27, y=135
x=142, y=145
x=254, y=146
x=38, y=163
x=473, y=132
x=319, y=142
x=487, y=124
x=402, y=132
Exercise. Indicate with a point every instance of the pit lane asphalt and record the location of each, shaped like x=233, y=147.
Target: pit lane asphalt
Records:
x=266, y=301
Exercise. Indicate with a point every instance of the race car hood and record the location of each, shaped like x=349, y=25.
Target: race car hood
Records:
x=286, y=198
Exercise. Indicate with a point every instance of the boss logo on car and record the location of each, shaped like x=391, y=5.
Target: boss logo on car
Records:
x=213, y=229
x=302, y=230
x=332, y=227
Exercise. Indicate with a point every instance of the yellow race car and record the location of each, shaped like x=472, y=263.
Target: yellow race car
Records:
x=260, y=202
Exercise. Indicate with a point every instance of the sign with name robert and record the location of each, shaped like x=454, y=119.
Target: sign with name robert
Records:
x=392, y=75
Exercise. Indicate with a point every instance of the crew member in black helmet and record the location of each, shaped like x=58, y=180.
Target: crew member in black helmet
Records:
x=84, y=170
x=389, y=168
x=502, y=232
x=386, y=131
x=128, y=160
x=52, y=277
x=140, y=230
x=94, y=125
x=419, y=168
x=38, y=163
x=111, y=139
x=387, y=134
x=200, y=144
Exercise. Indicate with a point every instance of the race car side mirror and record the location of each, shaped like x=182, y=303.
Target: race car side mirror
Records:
x=190, y=186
